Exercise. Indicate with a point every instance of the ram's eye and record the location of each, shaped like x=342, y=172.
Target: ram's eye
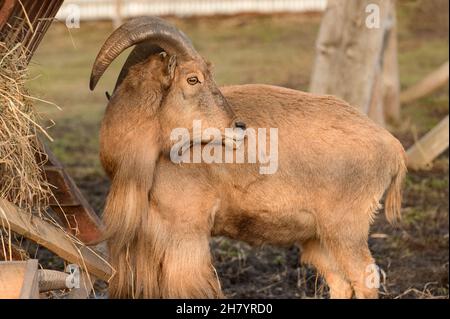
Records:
x=193, y=80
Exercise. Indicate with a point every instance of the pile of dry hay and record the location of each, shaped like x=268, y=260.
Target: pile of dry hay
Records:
x=22, y=178
x=22, y=181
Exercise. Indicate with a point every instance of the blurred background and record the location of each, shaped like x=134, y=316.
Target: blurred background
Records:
x=272, y=42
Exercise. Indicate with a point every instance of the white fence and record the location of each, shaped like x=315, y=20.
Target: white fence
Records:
x=111, y=9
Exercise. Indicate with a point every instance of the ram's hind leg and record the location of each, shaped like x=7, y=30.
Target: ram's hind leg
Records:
x=346, y=239
x=356, y=261
x=315, y=254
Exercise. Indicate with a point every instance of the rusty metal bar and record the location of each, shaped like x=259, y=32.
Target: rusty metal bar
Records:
x=6, y=9
x=27, y=21
x=45, y=24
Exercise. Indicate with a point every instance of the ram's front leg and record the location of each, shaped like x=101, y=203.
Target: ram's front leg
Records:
x=187, y=270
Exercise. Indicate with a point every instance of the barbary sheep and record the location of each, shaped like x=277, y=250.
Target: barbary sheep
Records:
x=333, y=167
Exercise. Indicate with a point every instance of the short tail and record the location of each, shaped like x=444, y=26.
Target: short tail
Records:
x=393, y=203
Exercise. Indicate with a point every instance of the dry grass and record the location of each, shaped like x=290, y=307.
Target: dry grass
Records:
x=22, y=181
x=22, y=178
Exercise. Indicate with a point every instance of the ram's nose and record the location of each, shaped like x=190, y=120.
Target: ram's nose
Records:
x=241, y=125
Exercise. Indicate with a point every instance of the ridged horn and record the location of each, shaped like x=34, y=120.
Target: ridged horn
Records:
x=151, y=30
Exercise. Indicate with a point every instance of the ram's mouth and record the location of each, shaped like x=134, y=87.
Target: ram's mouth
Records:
x=235, y=140
x=226, y=141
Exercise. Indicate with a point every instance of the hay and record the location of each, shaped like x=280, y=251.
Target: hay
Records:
x=22, y=181
x=22, y=178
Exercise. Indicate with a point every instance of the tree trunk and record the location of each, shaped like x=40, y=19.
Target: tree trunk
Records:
x=391, y=79
x=351, y=49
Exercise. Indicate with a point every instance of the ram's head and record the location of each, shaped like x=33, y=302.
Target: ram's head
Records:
x=165, y=76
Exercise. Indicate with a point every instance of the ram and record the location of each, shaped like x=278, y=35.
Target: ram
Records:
x=334, y=165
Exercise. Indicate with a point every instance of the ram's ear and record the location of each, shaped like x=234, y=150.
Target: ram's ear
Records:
x=171, y=65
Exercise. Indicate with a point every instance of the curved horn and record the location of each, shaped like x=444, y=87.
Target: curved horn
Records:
x=146, y=29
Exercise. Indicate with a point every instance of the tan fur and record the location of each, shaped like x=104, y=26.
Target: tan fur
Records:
x=334, y=166
x=393, y=203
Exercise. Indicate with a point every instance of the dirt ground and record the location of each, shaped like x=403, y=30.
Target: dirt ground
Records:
x=414, y=255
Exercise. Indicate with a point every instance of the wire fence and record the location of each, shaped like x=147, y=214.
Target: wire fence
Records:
x=118, y=9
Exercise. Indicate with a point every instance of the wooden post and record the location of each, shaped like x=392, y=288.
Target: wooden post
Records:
x=350, y=53
x=421, y=154
x=430, y=83
x=19, y=279
x=54, y=239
